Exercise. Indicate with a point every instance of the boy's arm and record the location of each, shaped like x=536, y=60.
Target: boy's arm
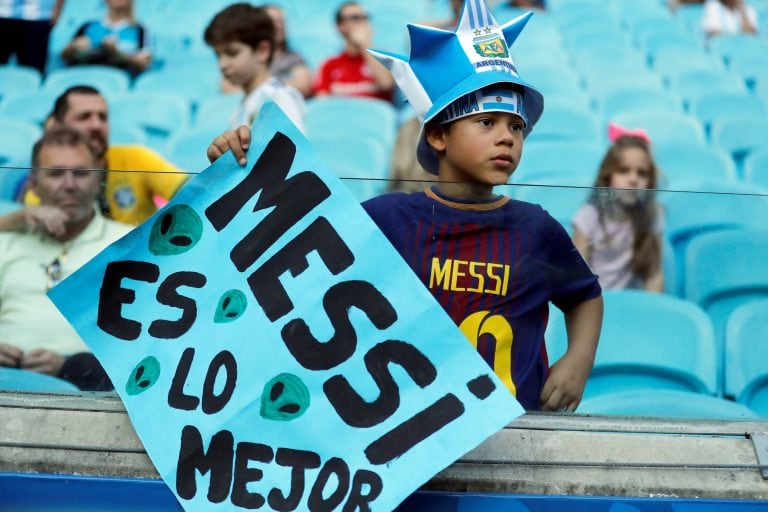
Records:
x=564, y=387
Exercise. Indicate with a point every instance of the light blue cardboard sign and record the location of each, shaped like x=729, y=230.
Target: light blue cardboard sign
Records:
x=272, y=348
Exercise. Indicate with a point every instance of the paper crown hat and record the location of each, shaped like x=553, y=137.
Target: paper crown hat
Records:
x=444, y=66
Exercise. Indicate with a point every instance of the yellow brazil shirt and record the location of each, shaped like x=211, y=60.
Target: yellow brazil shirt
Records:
x=136, y=175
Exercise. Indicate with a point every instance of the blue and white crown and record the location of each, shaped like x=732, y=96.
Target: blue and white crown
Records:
x=445, y=65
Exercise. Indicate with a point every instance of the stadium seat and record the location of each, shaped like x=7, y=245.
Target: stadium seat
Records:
x=29, y=106
x=187, y=148
x=18, y=79
x=16, y=140
x=567, y=123
x=24, y=380
x=746, y=46
x=746, y=351
x=574, y=162
x=720, y=106
x=110, y=81
x=665, y=127
x=190, y=83
x=691, y=85
x=723, y=270
x=562, y=202
x=158, y=114
x=352, y=118
x=633, y=99
x=362, y=164
x=216, y=111
x=649, y=341
x=740, y=136
x=667, y=404
x=756, y=168
x=125, y=134
x=750, y=68
x=669, y=61
x=689, y=17
x=710, y=206
x=685, y=162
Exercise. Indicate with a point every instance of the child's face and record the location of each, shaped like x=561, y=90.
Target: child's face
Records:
x=239, y=63
x=633, y=172
x=481, y=149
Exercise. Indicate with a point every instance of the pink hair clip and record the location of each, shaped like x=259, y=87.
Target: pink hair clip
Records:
x=615, y=131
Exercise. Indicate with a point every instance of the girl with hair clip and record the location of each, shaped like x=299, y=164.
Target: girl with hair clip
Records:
x=618, y=230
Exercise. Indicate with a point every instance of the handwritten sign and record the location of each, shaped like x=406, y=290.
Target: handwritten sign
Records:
x=272, y=348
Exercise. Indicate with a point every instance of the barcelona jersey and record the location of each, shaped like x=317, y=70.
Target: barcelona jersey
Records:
x=494, y=267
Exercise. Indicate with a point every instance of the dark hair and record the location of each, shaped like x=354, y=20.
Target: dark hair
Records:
x=646, y=250
x=61, y=105
x=61, y=135
x=243, y=23
x=341, y=8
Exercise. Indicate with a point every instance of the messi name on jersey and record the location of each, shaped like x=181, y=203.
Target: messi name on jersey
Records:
x=469, y=276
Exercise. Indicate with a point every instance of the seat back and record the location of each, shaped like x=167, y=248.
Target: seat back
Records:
x=649, y=341
x=107, y=79
x=25, y=380
x=667, y=404
x=746, y=352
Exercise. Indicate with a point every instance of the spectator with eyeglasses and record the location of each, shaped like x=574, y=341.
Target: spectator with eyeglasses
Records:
x=353, y=72
x=34, y=336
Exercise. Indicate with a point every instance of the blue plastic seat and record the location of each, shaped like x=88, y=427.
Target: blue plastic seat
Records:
x=740, y=136
x=562, y=202
x=666, y=404
x=692, y=85
x=719, y=106
x=686, y=162
x=637, y=98
x=189, y=82
x=665, y=127
x=18, y=79
x=24, y=380
x=743, y=45
x=746, y=351
x=649, y=341
x=711, y=206
x=567, y=122
x=29, y=106
x=574, y=162
x=216, y=110
x=187, y=148
x=756, y=168
x=673, y=60
x=16, y=140
x=158, y=114
x=725, y=269
x=352, y=118
x=108, y=80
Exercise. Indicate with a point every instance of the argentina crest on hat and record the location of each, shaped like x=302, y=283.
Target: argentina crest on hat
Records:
x=443, y=66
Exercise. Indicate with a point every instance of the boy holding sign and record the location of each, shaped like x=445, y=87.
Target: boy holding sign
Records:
x=493, y=263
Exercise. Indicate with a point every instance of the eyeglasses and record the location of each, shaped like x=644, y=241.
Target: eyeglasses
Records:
x=53, y=271
x=355, y=17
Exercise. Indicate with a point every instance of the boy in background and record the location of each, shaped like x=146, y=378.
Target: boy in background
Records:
x=493, y=263
x=243, y=37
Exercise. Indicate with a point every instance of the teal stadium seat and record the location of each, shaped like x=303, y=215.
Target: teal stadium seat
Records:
x=362, y=163
x=16, y=140
x=649, y=342
x=747, y=46
x=637, y=98
x=722, y=106
x=158, y=114
x=708, y=207
x=23, y=380
x=674, y=60
x=562, y=122
x=746, y=352
x=723, y=270
x=575, y=162
x=740, y=136
x=692, y=85
x=562, y=202
x=187, y=148
x=756, y=169
x=666, y=403
x=110, y=81
x=32, y=106
x=216, y=111
x=18, y=79
x=665, y=127
x=189, y=82
x=352, y=119
x=690, y=162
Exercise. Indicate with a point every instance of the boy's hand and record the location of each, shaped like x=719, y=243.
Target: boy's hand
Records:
x=565, y=385
x=237, y=140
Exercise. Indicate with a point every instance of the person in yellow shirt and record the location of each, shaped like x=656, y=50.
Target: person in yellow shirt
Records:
x=136, y=175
